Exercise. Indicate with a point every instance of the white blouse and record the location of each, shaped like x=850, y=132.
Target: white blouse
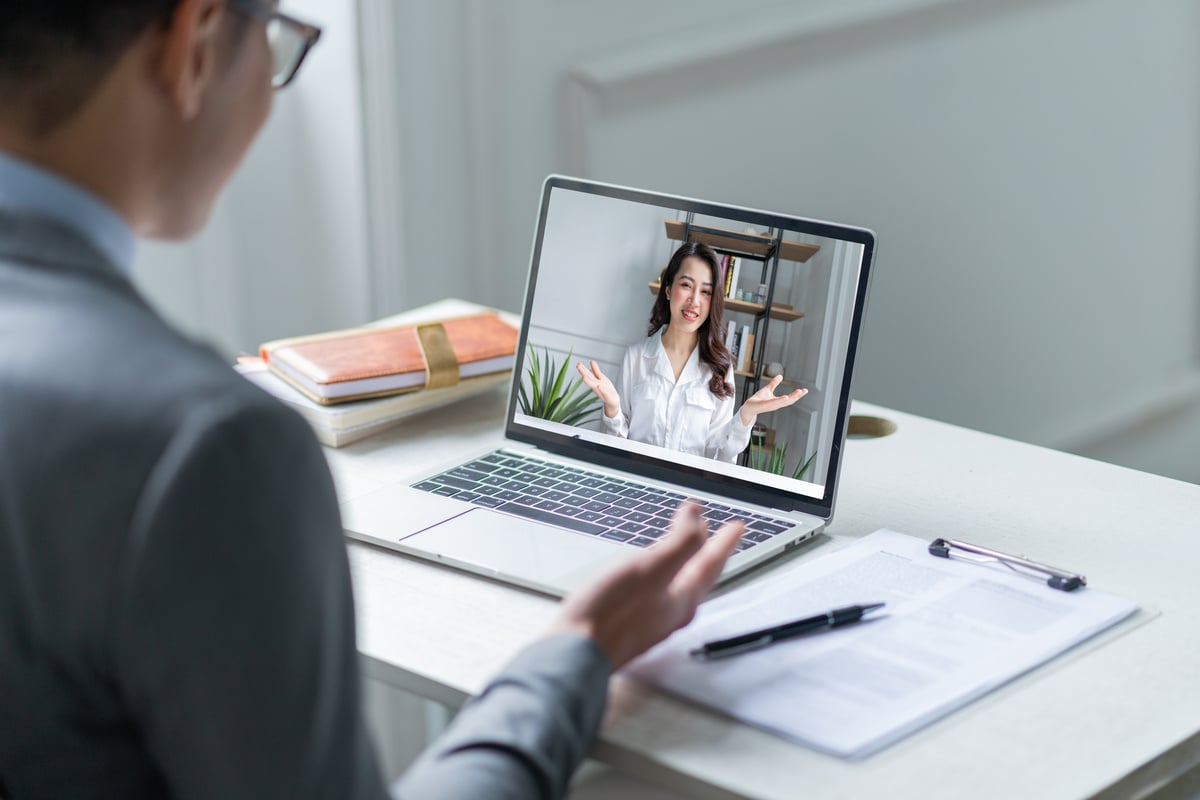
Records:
x=680, y=415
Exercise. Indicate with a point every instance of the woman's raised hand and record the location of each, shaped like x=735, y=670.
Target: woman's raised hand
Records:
x=599, y=383
x=765, y=400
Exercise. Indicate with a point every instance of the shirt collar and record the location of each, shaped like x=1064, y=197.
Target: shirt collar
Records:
x=29, y=189
x=691, y=370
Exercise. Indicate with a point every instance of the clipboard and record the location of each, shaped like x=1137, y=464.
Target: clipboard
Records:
x=1055, y=578
x=949, y=634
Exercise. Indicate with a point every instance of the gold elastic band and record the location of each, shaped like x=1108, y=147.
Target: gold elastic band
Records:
x=441, y=365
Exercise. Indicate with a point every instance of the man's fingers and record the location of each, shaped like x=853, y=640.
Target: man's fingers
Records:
x=687, y=534
x=701, y=572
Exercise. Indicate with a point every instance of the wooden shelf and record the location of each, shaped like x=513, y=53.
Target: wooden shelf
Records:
x=777, y=312
x=755, y=244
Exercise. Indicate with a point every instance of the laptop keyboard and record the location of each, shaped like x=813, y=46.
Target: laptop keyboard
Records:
x=586, y=502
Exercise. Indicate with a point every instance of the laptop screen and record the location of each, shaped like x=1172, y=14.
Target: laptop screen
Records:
x=654, y=326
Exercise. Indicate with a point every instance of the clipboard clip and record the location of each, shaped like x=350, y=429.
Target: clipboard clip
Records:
x=1055, y=578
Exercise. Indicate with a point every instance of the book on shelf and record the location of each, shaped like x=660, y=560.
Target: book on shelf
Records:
x=746, y=355
x=730, y=336
x=342, y=423
x=744, y=351
x=381, y=360
x=732, y=273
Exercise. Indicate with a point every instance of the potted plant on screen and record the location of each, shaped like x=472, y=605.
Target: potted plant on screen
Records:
x=775, y=459
x=550, y=396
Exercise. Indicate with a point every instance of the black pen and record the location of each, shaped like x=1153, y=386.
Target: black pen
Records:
x=766, y=636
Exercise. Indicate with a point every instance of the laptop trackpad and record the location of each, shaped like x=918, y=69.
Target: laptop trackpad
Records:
x=537, y=555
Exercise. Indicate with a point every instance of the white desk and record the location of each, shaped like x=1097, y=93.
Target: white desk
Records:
x=1119, y=716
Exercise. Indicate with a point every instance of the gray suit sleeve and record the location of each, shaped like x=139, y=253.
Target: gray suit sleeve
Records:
x=234, y=641
x=525, y=734
x=234, y=646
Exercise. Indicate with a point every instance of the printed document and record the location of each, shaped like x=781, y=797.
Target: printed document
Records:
x=951, y=631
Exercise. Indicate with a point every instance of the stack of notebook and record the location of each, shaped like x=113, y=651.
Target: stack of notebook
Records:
x=351, y=384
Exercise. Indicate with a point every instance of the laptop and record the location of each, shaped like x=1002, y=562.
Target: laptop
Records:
x=567, y=496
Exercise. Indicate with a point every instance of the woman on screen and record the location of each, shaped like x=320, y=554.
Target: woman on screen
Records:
x=677, y=386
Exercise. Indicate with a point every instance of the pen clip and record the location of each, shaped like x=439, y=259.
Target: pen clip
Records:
x=1055, y=578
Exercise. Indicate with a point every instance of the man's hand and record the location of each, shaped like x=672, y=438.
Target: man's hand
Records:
x=642, y=601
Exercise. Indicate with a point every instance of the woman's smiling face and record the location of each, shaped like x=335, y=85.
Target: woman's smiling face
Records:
x=690, y=294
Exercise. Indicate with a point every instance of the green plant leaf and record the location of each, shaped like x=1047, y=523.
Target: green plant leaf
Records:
x=803, y=468
x=553, y=398
x=535, y=380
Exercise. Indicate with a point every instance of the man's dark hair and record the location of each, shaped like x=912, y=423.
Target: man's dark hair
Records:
x=54, y=53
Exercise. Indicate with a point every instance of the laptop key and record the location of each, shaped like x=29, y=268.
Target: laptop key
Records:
x=551, y=518
x=488, y=502
x=448, y=491
x=595, y=505
x=617, y=536
x=469, y=474
x=548, y=505
x=507, y=494
x=641, y=541
x=458, y=483
x=426, y=486
x=610, y=521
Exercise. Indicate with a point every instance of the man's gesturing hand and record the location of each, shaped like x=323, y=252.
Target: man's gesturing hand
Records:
x=643, y=600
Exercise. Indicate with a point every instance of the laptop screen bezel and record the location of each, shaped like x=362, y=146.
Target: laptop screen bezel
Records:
x=656, y=469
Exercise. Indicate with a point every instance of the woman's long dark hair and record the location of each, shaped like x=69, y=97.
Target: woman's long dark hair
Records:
x=713, y=351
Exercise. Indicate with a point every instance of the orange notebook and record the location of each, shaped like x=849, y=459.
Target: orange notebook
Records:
x=373, y=362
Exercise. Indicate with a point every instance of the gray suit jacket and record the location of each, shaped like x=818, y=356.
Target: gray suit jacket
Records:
x=176, y=616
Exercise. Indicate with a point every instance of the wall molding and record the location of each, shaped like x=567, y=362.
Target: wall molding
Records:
x=1162, y=403
x=602, y=85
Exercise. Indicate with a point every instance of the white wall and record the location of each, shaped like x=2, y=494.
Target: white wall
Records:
x=1032, y=169
x=285, y=251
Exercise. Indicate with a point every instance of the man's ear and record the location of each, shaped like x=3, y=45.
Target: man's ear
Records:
x=188, y=60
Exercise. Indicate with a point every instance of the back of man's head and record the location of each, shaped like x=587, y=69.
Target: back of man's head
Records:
x=54, y=53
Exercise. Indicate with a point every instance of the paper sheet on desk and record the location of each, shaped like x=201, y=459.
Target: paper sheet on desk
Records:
x=951, y=632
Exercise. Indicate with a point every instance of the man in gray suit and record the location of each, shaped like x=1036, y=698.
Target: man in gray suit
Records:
x=176, y=616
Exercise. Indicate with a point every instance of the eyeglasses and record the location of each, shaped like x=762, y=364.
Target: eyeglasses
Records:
x=289, y=38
